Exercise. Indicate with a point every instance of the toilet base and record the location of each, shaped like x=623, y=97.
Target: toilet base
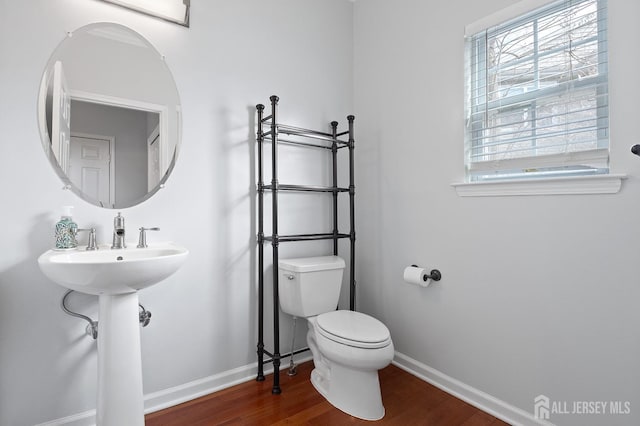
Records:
x=355, y=392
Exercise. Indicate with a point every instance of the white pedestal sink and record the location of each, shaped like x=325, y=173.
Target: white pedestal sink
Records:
x=116, y=276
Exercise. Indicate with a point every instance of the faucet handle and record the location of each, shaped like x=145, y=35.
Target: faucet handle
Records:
x=91, y=244
x=142, y=240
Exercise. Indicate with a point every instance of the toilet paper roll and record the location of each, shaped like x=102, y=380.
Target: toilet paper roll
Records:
x=415, y=275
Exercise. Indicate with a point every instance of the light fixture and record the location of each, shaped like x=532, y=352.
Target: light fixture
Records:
x=176, y=11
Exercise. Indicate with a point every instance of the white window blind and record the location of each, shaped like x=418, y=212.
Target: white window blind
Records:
x=537, y=94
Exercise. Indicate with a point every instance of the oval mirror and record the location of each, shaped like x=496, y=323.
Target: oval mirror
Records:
x=109, y=115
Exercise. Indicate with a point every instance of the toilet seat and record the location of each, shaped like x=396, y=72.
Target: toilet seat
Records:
x=353, y=329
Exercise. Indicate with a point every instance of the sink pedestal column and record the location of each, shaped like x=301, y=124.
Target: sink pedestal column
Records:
x=120, y=397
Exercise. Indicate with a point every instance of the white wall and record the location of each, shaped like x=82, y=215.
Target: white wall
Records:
x=204, y=317
x=539, y=294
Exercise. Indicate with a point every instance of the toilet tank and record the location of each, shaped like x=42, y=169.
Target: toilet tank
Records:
x=310, y=286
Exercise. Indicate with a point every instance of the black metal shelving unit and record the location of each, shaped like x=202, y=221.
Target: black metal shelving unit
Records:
x=304, y=138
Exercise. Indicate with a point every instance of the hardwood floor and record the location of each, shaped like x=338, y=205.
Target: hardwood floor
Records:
x=407, y=400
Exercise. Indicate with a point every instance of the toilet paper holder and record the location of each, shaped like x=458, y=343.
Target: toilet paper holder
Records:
x=434, y=275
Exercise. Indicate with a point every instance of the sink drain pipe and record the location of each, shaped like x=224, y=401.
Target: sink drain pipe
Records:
x=144, y=316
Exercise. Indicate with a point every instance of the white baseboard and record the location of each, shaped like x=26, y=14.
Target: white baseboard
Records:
x=178, y=394
x=87, y=418
x=485, y=402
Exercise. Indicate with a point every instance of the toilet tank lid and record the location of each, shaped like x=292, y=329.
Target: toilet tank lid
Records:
x=311, y=264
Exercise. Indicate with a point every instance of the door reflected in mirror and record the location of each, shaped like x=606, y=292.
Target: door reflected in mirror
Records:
x=109, y=115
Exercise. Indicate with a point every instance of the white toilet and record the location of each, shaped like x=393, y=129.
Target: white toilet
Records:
x=348, y=347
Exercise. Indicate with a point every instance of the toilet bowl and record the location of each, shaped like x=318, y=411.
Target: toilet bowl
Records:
x=348, y=347
x=347, y=362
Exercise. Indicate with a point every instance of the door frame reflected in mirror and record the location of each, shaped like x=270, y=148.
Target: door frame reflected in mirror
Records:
x=161, y=110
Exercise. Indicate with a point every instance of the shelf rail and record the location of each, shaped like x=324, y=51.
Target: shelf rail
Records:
x=298, y=143
x=307, y=133
x=269, y=130
x=306, y=188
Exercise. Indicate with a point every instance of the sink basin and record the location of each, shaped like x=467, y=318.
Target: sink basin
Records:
x=107, y=271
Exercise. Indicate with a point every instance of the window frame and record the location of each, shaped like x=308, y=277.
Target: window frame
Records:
x=559, y=164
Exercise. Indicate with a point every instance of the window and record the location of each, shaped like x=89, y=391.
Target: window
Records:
x=537, y=94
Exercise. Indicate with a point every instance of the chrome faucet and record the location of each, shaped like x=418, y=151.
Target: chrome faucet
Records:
x=118, y=232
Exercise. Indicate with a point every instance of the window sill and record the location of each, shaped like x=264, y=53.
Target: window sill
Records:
x=578, y=185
